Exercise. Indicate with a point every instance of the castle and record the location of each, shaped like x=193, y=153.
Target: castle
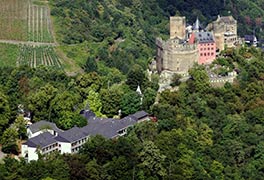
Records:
x=185, y=47
x=176, y=54
x=225, y=31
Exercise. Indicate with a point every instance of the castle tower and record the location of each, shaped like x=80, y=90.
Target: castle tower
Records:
x=196, y=25
x=177, y=27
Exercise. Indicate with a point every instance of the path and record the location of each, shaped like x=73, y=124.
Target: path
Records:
x=27, y=43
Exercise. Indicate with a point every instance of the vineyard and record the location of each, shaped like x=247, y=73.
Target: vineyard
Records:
x=34, y=56
x=39, y=28
x=26, y=26
x=22, y=20
x=13, y=19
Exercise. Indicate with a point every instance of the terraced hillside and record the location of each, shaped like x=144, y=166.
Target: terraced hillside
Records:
x=13, y=19
x=24, y=21
x=26, y=27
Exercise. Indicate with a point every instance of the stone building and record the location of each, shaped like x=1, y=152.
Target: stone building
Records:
x=177, y=27
x=175, y=55
x=225, y=31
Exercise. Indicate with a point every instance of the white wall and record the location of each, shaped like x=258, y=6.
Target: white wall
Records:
x=32, y=154
x=65, y=147
x=24, y=150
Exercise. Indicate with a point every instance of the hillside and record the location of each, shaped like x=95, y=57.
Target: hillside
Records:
x=118, y=33
x=26, y=36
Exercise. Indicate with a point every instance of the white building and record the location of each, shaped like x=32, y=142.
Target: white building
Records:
x=45, y=137
x=41, y=127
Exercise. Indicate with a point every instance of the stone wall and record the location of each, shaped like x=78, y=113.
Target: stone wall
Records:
x=177, y=27
x=225, y=32
x=175, y=56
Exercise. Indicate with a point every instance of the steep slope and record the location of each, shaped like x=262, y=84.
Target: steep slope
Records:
x=119, y=33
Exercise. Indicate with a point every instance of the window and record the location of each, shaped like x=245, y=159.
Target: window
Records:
x=201, y=54
x=208, y=54
x=212, y=54
x=204, y=54
x=208, y=48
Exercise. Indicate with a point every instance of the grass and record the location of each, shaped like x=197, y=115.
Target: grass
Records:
x=40, y=2
x=8, y=54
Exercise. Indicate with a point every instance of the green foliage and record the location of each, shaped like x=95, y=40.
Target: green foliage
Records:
x=90, y=65
x=202, y=132
x=176, y=80
x=152, y=160
x=94, y=102
x=199, y=80
x=136, y=77
x=4, y=112
x=149, y=96
x=20, y=125
x=111, y=100
x=130, y=103
x=40, y=102
x=8, y=140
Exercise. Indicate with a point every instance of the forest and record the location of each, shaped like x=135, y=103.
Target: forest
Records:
x=203, y=132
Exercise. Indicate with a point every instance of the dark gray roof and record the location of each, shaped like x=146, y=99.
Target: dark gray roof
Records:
x=42, y=140
x=108, y=127
x=140, y=114
x=88, y=114
x=250, y=38
x=43, y=125
x=71, y=135
x=204, y=37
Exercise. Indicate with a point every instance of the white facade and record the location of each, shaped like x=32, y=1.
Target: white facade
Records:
x=65, y=147
x=32, y=153
x=76, y=145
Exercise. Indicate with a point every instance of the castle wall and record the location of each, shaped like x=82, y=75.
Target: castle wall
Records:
x=175, y=57
x=225, y=32
x=177, y=27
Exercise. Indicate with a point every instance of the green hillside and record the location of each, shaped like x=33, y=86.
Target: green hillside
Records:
x=119, y=33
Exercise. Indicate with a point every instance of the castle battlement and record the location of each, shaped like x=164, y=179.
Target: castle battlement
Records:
x=175, y=45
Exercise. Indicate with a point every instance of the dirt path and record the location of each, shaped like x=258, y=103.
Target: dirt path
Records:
x=27, y=43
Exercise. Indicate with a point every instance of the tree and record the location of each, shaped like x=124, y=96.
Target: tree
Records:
x=39, y=102
x=130, y=103
x=4, y=112
x=135, y=77
x=148, y=99
x=8, y=140
x=86, y=82
x=111, y=100
x=94, y=102
x=90, y=65
x=70, y=119
x=199, y=81
x=20, y=125
x=152, y=160
x=94, y=171
x=176, y=80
